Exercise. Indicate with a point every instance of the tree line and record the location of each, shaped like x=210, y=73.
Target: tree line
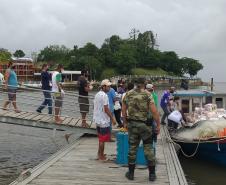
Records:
x=140, y=50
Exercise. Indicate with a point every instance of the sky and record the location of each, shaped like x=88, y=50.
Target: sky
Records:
x=191, y=28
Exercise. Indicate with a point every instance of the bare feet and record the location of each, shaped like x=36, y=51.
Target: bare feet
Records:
x=85, y=125
x=102, y=158
x=58, y=121
x=17, y=111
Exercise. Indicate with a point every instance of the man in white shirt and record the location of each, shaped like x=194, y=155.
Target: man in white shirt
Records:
x=102, y=116
x=175, y=119
x=57, y=88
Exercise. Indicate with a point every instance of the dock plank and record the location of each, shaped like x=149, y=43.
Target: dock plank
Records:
x=24, y=115
x=38, y=117
x=67, y=121
x=46, y=118
x=73, y=122
x=31, y=116
x=78, y=165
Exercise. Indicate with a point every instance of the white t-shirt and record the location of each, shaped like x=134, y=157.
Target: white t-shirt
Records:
x=175, y=116
x=99, y=116
x=54, y=82
x=1, y=78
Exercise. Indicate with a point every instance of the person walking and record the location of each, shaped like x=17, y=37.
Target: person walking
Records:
x=165, y=100
x=83, y=99
x=45, y=80
x=135, y=106
x=58, y=92
x=11, y=84
x=102, y=116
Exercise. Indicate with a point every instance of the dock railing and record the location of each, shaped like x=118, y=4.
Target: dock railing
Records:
x=29, y=99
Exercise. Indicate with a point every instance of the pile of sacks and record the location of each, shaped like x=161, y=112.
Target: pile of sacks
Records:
x=208, y=112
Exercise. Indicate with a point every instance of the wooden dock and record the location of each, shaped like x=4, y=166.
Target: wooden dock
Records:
x=77, y=164
x=34, y=119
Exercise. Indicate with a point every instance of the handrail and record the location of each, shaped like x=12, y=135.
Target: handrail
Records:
x=66, y=116
x=41, y=98
x=69, y=93
x=70, y=100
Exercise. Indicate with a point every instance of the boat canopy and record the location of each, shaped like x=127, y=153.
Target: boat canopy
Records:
x=193, y=93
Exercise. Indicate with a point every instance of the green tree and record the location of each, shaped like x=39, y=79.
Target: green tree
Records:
x=125, y=59
x=5, y=55
x=19, y=53
x=92, y=65
x=191, y=66
x=114, y=43
x=145, y=46
x=54, y=53
x=171, y=63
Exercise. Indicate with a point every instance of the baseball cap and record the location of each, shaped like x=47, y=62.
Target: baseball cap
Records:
x=105, y=82
x=149, y=86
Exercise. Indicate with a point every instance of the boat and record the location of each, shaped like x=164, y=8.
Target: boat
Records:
x=204, y=137
x=206, y=140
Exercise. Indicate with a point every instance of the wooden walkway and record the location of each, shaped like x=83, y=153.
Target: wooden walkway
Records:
x=34, y=119
x=77, y=164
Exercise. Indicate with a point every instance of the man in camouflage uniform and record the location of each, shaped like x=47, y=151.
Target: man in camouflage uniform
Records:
x=135, y=107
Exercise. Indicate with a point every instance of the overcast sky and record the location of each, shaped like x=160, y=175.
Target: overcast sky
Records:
x=192, y=28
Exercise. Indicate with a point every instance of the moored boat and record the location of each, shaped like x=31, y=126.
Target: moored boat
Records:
x=206, y=140
x=204, y=137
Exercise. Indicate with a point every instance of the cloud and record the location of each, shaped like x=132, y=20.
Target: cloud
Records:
x=191, y=28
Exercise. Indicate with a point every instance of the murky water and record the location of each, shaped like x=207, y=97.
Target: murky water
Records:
x=202, y=172
x=25, y=147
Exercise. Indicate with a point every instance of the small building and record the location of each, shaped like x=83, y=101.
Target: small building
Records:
x=197, y=98
x=24, y=68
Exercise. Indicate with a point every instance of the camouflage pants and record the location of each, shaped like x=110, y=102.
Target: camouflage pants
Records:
x=140, y=131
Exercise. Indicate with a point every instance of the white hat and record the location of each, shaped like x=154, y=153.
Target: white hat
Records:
x=149, y=86
x=105, y=82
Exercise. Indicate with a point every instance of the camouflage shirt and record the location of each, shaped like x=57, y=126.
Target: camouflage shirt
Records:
x=137, y=104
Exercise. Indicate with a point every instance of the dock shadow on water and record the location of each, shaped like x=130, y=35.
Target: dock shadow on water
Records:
x=202, y=172
x=25, y=147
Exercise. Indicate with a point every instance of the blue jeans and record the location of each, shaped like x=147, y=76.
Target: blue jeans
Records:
x=47, y=101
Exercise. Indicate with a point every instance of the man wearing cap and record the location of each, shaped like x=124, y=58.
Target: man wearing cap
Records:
x=102, y=117
x=135, y=107
x=150, y=89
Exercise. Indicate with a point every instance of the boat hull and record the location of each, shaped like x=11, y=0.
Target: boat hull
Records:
x=214, y=151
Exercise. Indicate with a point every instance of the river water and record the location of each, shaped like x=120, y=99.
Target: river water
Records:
x=25, y=147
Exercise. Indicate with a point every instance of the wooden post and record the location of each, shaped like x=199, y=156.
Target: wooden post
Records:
x=211, y=84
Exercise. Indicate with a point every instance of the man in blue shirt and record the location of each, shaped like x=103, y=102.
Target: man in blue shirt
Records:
x=45, y=79
x=165, y=103
x=111, y=97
